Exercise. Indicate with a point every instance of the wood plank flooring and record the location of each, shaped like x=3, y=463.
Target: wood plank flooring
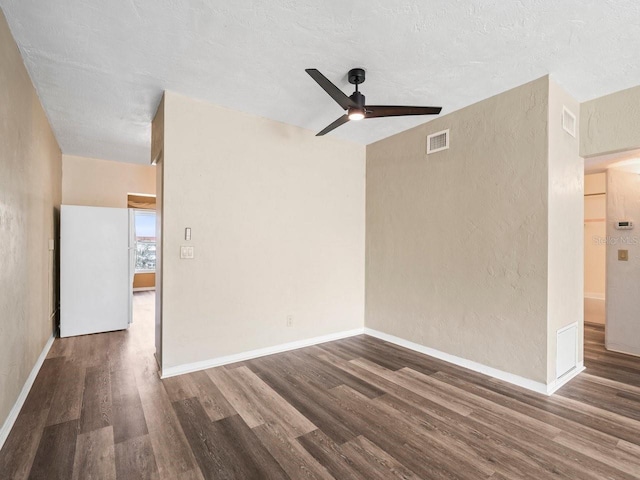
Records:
x=357, y=408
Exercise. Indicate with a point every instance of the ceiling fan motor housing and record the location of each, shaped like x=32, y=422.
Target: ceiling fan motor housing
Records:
x=356, y=76
x=358, y=98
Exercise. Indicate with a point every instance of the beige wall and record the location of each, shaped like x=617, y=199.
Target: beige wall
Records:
x=623, y=278
x=565, y=284
x=30, y=162
x=277, y=218
x=595, y=250
x=609, y=124
x=457, y=240
x=103, y=183
x=458, y=250
x=157, y=155
x=595, y=231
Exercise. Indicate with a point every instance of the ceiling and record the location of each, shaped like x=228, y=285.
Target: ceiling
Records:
x=628, y=161
x=100, y=66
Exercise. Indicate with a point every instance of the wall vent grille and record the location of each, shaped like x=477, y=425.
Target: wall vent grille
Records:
x=568, y=121
x=566, y=349
x=437, y=141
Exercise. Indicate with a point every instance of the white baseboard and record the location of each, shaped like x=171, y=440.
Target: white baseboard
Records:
x=13, y=414
x=556, y=384
x=261, y=352
x=537, y=387
x=144, y=289
x=523, y=382
x=621, y=348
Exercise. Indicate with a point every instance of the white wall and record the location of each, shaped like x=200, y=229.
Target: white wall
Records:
x=565, y=284
x=623, y=278
x=277, y=218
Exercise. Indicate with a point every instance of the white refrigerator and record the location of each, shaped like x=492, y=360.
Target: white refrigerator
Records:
x=97, y=264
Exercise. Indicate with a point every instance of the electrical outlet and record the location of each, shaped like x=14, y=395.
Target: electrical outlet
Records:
x=289, y=320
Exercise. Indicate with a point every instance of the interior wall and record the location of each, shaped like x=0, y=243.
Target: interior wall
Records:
x=623, y=277
x=104, y=183
x=565, y=276
x=30, y=162
x=609, y=124
x=457, y=241
x=595, y=252
x=157, y=157
x=277, y=219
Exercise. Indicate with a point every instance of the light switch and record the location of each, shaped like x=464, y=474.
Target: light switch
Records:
x=186, y=252
x=187, y=233
x=623, y=255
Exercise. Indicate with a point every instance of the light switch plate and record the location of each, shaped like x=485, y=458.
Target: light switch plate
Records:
x=186, y=252
x=623, y=255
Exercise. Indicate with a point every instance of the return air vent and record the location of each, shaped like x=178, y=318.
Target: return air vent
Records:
x=566, y=349
x=568, y=122
x=437, y=141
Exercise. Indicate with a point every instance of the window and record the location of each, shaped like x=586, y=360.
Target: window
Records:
x=145, y=233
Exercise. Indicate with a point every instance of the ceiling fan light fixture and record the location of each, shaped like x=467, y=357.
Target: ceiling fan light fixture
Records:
x=355, y=105
x=356, y=114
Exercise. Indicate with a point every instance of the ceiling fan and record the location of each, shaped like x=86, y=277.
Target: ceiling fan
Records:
x=354, y=104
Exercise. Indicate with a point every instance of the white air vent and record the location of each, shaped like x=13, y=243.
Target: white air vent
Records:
x=568, y=122
x=437, y=141
x=566, y=349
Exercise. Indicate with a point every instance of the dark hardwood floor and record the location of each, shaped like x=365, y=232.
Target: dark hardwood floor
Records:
x=354, y=408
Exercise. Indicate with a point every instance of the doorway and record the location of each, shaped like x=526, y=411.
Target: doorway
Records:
x=143, y=226
x=612, y=199
x=595, y=251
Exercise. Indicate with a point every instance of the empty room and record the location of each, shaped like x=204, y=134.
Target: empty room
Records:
x=319, y=240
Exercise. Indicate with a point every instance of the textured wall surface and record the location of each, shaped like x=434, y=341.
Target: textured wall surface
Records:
x=609, y=124
x=457, y=240
x=277, y=219
x=30, y=171
x=565, y=276
x=623, y=278
x=104, y=183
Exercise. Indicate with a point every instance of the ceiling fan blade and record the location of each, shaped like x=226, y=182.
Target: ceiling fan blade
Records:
x=343, y=119
x=334, y=92
x=374, y=111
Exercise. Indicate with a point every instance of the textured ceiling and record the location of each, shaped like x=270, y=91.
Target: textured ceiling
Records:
x=100, y=66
